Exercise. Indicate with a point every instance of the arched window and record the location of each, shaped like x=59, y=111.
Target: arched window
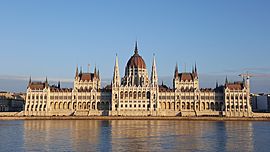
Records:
x=134, y=95
x=139, y=94
x=148, y=95
x=143, y=94
x=121, y=94
x=126, y=94
x=130, y=94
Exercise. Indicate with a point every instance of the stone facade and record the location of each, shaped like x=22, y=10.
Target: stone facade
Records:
x=136, y=94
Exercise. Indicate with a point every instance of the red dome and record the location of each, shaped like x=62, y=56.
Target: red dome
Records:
x=136, y=61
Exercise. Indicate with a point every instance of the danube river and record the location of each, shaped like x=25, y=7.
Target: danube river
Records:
x=133, y=135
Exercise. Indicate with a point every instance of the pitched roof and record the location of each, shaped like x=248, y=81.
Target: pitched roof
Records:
x=235, y=86
x=186, y=76
x=37, y=85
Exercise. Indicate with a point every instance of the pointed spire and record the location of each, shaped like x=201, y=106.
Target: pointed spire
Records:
x=30, y=80
x=195, y=67
x=58, y=84
x=98, y=73
x=46, y=82
x=136, y=48
x=216, y=84
x=95, y=70
x=77, y=72
x=176, y=71
x=195, y=70
x=226, y=80
x=81, y=70
x=116, y=75
x=154, y=77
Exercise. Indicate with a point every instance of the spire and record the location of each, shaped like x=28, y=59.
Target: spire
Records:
x=95, y=70
x=58, y=84
x=30, y=81
x=46, y=82
x=195, y=67
x=154, y=77
x=116, y=76
x=98, y=73
x=81, y=70
x=77, y=72
x=196, y=73
x=216, y=84
x=226, y=80
x=136, y=48
x=176, y=71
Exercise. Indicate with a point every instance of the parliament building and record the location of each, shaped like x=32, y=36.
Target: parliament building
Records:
x=137, y=94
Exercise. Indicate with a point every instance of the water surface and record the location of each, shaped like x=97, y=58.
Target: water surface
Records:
x=133, y=135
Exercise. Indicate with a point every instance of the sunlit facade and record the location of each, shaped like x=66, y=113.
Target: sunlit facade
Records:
x=137, y=94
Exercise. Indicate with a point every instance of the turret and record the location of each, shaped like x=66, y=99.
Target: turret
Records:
x=30, y=81
x=176, y=71
x=195, y=71
x=46, y=83
x=154, y=77
x=77, y=72
x=95, y=71
x=116, y=75
x=226, y=80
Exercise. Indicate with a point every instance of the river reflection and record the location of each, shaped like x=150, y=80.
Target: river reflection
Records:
x=131, y=135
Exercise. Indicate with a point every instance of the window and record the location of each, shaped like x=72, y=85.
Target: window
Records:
x=134, y=95
x=148, y=95
x=121, y=94
x=143, y=94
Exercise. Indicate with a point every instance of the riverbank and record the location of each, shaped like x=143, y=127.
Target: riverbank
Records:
x=134, y=118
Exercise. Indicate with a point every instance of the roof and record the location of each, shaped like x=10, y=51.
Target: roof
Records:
x=186, y=76
x=86, y=76
x=235, y=86
x=206, y=90
x=136, y=61
x=37, y=85
x=56, y=89
x=164, y=88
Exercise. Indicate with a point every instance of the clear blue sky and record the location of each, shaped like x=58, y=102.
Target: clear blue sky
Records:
x=49, y=38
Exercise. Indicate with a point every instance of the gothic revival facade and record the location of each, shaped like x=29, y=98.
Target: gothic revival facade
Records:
x=137, y=94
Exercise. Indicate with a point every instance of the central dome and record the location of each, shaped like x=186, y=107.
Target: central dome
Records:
x=136, y=60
